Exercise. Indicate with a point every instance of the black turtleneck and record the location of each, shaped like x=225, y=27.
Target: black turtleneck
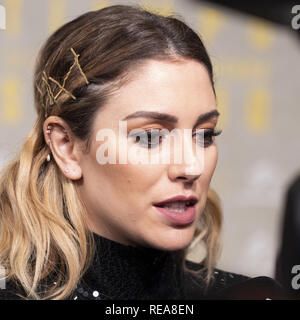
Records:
x=123, y=272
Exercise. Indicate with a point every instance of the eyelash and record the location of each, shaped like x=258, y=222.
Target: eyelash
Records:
x=208, y=133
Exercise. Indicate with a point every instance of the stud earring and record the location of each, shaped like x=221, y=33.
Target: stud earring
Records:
x=66, y=170
x=49, y=127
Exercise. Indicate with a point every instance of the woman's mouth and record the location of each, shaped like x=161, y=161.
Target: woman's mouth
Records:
x=178, y=206
x=178, y=212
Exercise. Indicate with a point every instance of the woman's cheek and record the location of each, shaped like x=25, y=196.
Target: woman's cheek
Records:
x=210, y=162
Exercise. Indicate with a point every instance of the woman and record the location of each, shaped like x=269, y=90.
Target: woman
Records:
x=78, y=223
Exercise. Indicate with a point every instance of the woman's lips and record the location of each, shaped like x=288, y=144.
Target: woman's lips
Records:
x=179, y=210
x=187, y=199
x=179, y=218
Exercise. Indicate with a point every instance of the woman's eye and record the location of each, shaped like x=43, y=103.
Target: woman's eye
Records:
x=208, y=137
x=152, y=138
x=149, y=138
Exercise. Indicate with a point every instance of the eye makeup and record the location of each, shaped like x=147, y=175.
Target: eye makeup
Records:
x=208, y=136
x=153, y=137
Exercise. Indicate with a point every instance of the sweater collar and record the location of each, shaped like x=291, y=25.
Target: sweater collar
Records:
x=122, y=271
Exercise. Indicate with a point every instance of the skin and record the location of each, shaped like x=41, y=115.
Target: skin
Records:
x=119, y=197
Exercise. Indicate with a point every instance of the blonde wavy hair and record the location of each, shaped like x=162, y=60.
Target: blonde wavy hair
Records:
x=43, y=233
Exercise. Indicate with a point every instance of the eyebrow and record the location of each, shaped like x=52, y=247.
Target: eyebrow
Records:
x=170, y=118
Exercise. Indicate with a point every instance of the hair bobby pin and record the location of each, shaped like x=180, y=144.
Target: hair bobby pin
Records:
x=52, y=96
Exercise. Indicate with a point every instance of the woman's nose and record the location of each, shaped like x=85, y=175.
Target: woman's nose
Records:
x=185, y=172
x=191, y=164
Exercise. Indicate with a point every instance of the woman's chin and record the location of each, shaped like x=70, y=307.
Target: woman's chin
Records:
x=176, y=239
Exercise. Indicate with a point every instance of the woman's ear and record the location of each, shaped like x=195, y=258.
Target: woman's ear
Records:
x=64, y=147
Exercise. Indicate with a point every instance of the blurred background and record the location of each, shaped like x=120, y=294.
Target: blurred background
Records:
x=255, y=49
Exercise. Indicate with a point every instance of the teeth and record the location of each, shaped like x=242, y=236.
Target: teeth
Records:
x=178, y=206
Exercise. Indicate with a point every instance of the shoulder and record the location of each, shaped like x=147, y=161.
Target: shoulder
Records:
x=220, y=279
x=230, y=285
x=219, y=276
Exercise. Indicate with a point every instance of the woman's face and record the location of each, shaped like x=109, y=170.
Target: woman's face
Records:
x=120, y=197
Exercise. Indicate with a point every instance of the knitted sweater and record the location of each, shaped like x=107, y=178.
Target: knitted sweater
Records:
x=121, y=272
